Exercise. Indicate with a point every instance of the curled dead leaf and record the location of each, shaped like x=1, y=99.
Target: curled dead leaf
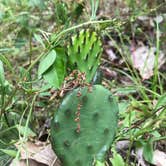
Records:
x=37, y=154
x=143, y=59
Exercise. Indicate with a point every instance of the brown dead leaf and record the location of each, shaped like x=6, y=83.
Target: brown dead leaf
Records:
x=159, y=158
x=28, y=162
x=143, y=59
x=37, y=154
x=29, y=149
x=46, y=156
x=122, y=145
x=111, y=54
x=139, y=157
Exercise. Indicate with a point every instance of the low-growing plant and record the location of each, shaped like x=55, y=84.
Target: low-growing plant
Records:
x=51, y=57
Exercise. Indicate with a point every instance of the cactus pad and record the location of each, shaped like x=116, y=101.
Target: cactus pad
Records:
x=84, y=126
x=84, y=52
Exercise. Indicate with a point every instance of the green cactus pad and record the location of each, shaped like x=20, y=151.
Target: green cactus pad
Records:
x=84, y=127
x=84, y=52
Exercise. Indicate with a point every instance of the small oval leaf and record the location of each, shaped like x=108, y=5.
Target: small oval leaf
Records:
x=46, y=62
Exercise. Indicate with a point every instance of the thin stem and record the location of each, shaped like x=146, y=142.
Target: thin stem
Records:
x=25, y=131
x=30, y=47
x=36, y=60
x=8, y=129
x=156, y=58
x=131, y=140
x=94, y=7
x=58, y=36
x=78, y=26
x=30, y=55
x=8, y=102
x=135, y=77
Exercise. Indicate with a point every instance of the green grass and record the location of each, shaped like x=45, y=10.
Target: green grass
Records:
x=30, y=29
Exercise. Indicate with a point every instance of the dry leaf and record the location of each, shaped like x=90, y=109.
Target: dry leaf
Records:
x=111, y=54
x=159, y=158
x=45, y=156
x=140, y=158
x=28, y=162
x=143, y=59
x=121, y=145
x=37, y=154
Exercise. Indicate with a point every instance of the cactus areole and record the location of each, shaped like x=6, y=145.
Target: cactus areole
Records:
x=83, y=128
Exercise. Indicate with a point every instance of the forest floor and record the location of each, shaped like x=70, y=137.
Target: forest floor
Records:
x=133, y=67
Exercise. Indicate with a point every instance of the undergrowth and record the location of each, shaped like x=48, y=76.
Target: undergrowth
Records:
x=29, y=29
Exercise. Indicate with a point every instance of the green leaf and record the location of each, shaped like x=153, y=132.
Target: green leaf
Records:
x=117, y=159
x=46, y=62
x=45, y=88
x=6, y=62
x=2, y=76
x=55, y=75
x=51, y=76
x=9, y=152
x=148, y=151
x=129, y=118
x=39, y=39
x=161, y=102
x=126, y=90
x=98, y=163
x=123, y=106
x=27, y=131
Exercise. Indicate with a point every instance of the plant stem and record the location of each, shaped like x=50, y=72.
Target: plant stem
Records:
x=25, y=131
x=58, y=36
x=30, y=47
x=154, y=85
x=78, y=26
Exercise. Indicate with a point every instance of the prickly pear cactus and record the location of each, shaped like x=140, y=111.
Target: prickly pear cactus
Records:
x=84, y=52
x=84, y=126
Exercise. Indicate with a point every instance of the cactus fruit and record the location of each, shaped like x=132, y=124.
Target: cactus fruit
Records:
x=84, y=126
x=84, y=52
